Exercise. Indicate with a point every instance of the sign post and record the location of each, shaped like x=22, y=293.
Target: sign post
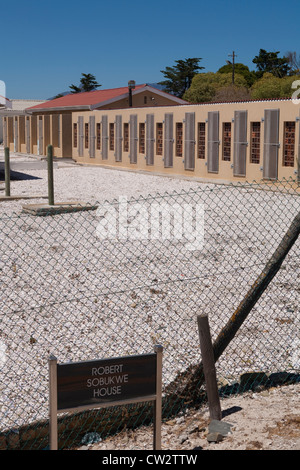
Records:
x=53, y=402
x=102, y=383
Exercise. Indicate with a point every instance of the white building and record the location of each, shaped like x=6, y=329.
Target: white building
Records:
x=14, y=105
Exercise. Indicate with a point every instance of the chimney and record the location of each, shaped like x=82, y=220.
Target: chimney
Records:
x=131, y=86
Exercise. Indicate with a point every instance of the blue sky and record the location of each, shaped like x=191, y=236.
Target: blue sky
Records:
x=46, y=46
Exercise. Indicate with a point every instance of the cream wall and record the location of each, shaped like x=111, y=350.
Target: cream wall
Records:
x=288, y=112
x=55, y=129
x=142, y=99
x=58, y=130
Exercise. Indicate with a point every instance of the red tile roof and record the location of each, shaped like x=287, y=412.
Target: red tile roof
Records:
x=88, y=98
x=95, y=99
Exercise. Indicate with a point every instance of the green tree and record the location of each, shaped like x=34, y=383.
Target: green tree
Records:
x=270, y=87
x=179, y=77
x=232, y=93
x=270, y=62
x=240, y=69
x=286, y=86
x=294, y=62
x=205, y=86
x=88, y=82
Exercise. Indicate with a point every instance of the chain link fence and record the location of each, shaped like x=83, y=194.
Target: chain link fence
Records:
x=134, y=273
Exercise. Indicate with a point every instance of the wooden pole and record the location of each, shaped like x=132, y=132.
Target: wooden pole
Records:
x=228, y=332
x=50, y=175
x=7, y=171
x=158, y=349
x=209, y=369
x=53, y=438
x=256, y=290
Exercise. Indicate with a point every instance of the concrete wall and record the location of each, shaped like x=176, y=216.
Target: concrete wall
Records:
x=188, y=164
x=33, y=133
x=140, y=100
x=227, y=130
x=17, y=105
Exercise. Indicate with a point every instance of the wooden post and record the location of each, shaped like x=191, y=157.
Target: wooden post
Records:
x=229, y=331
x=53, y=441
x=50, y=175
x=158, y=349
x=209, y=369
x=7, y=171
x=258, y=287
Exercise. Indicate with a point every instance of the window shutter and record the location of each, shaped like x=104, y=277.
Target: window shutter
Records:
x=213, y=142
x=46, y=132
x=189, y=142
x=58, y=131
x=298, y=159
x=40, y=137
x=119, y=138
x=104, y=137
x=133, y=138
x=5, y=131
x=16, y=136
x=168, y=145
x=271, y=144
x=150, y=139
x=80, y=136
x=27, y=129
x=92, y=136
x=240, y=143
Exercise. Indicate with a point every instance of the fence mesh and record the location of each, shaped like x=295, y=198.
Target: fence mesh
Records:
x=79, y=287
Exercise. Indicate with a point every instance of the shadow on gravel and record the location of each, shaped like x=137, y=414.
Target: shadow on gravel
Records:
x=258, y=382
x=17, y=176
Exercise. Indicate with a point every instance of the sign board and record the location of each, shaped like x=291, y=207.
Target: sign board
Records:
x=99, y=382
x=107, y=382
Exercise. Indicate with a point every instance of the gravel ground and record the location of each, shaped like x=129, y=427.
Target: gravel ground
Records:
x=266, y=420
x=89, y=184
x=60, y=283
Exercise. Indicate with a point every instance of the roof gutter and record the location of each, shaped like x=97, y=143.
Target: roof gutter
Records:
x=13, y=112
x=62, y=108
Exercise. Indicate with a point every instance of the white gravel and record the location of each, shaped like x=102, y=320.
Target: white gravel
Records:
x=66, y=292
x=265, y=420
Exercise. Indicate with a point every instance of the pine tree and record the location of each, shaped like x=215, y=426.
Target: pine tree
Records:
x=88, y=82
x=179, y=77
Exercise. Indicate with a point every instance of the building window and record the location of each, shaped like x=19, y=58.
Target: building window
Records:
x=98, y=136
x=255, y=142
x=201, y=140
x=142, y=137
x=75, y=135
x=159, y=138
x=111, y=136
x=86, y=135
x=179, y=136
x=145, y=99
x=289, y=143
x=126, y=137
x=226, y=141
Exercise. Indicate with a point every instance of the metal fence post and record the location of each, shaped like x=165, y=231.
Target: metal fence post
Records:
x=7, y=171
